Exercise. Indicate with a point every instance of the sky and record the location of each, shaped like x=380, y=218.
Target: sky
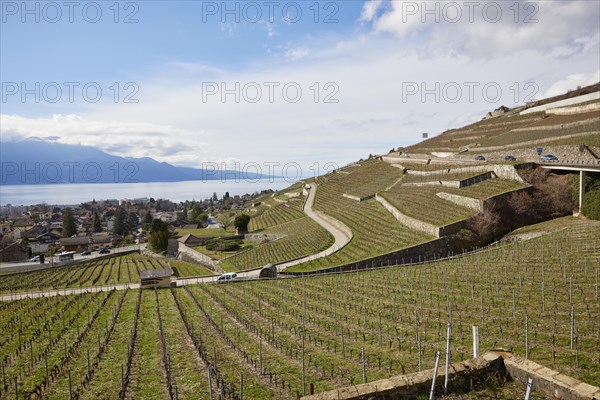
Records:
x=314, y=84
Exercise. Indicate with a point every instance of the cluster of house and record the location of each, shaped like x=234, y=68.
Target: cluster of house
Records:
x=38, y=229
x=27, y=231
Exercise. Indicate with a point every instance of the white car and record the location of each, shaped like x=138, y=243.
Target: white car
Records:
x=227, y=277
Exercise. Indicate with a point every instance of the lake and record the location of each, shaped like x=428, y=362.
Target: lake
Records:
x=76, y=193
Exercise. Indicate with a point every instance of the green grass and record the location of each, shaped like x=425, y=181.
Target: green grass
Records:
x=205, y=232
x=147, y=377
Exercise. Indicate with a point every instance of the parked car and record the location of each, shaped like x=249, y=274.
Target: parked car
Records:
x=480, y=158
x=510, y=158
x=35, y=259
x=549, y=157
x=86, y=253
x=227, y=277
x=104, y=251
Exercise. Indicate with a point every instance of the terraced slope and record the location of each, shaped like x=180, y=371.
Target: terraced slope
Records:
x=298, y=238
x=375, y=230
x=539, y=296
x=513, y=129
x=278, y=214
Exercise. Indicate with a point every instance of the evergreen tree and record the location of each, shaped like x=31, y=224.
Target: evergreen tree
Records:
x=120, y=226
x=69, y=226
x=96, y=224
x=159, y=237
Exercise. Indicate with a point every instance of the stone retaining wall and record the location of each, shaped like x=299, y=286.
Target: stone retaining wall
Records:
x=477, y=204
x=431, y=250
x=357, y=198
x=190, y=255
x=549, y=382
x=504, y=171
x=419, y=383
x=497, y=364
x=407, y=221
x=574, y=109
x=469, y=202
x=421, y=226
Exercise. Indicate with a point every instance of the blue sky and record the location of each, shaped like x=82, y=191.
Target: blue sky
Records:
x=372, y=74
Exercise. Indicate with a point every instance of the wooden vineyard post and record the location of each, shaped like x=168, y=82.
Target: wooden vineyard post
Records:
x=241, y=387
x=435, y=372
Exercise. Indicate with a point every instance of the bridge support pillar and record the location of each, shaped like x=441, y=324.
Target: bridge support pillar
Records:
x=581, y=188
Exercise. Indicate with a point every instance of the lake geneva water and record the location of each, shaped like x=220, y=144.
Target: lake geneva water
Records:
x=76, y=193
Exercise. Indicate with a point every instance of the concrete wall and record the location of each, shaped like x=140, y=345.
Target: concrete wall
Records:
x=190, y=255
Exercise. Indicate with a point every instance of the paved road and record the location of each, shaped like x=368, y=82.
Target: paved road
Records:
x=341, y=233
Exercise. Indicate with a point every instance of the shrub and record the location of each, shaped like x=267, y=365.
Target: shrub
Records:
x=591, y=204
x=223, y=245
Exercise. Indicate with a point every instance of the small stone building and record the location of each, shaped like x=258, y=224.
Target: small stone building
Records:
x=157, y=278
x=269, y=271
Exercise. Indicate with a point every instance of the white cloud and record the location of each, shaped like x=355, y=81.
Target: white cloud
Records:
x=571, y=82
x=297, y=53
x=131, y=139
x=370, y=9
x=489, y=28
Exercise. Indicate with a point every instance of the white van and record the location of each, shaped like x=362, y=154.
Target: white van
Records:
x=227, y=277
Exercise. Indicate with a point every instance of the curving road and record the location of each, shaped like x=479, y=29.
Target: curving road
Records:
x=341, y=233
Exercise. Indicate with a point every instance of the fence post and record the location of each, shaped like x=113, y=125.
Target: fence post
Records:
x=435, y=372
x=529, y=388
x=447, y=357
x=475, y=341
x=364, y=370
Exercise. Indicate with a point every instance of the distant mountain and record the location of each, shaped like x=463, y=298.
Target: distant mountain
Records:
x=40, y=161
